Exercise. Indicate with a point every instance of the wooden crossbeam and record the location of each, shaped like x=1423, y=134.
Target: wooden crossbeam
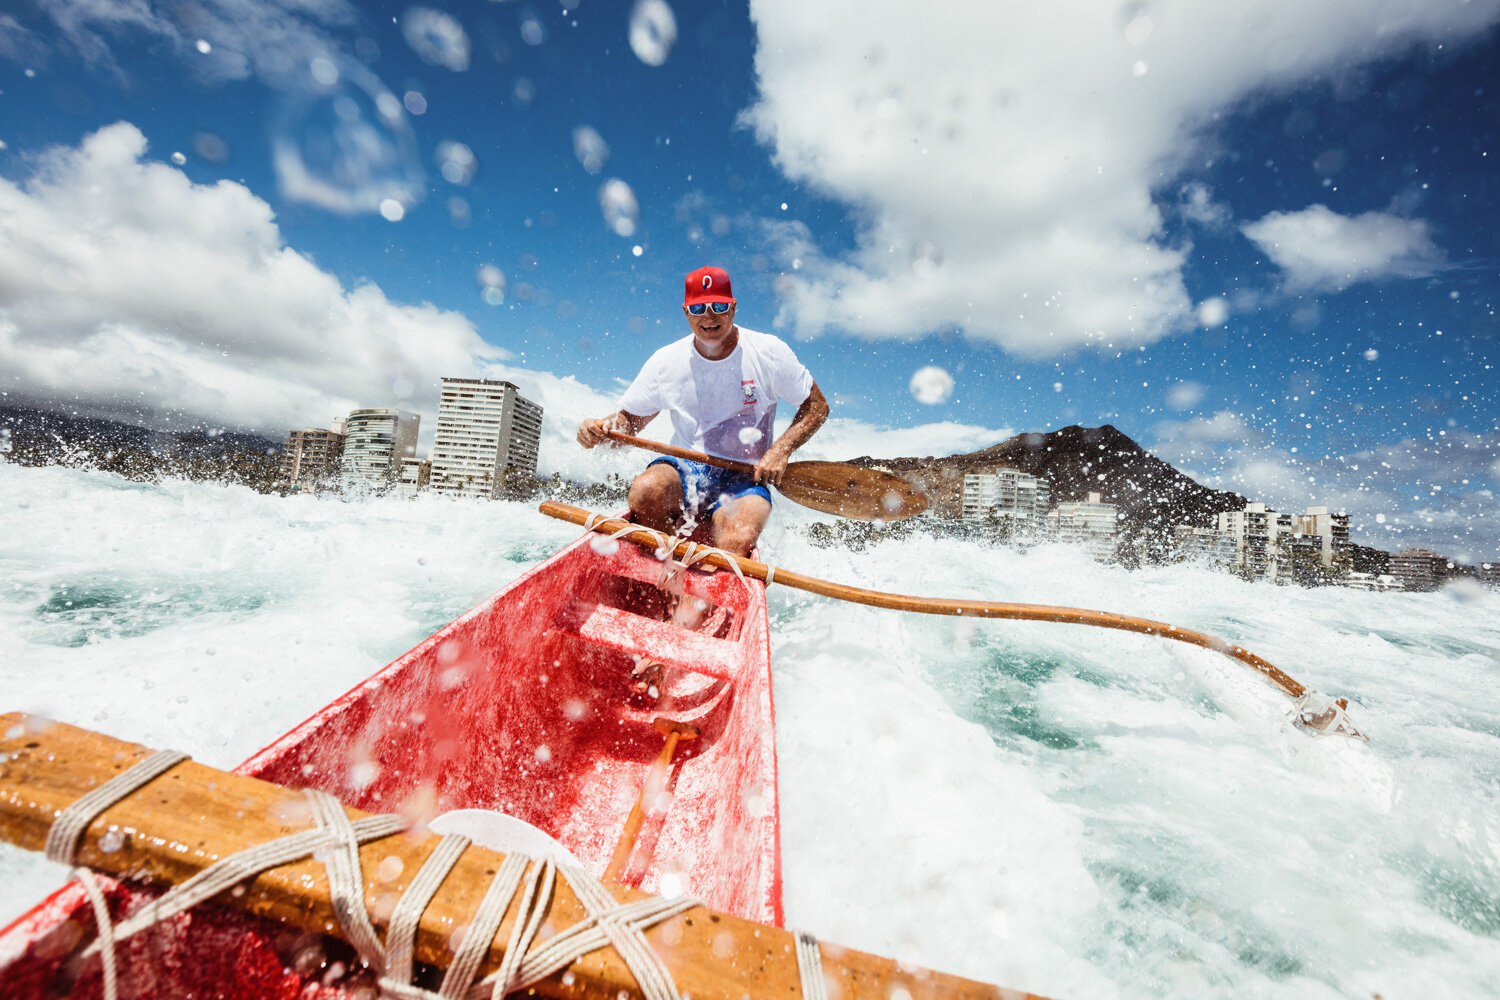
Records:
x=194, y=815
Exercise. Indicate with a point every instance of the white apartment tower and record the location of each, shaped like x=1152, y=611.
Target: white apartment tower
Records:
x=375, y=442
x=1009, y=493
x=484, y=427
x=1090, y=523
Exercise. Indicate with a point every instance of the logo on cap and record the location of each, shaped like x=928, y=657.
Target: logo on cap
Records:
x=708, y=282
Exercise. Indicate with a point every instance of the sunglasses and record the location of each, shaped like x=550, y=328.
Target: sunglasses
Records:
x=699, y=308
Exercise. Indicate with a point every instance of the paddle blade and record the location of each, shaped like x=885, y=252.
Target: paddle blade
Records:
x=851, y=491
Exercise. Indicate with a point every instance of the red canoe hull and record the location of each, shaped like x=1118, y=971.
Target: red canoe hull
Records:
x=524, y=705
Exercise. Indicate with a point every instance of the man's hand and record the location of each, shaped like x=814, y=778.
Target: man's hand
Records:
x=592, y=431
x=772, y=465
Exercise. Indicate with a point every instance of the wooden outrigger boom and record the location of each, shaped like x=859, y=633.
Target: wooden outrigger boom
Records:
x=194, y=815
x=1321, y=717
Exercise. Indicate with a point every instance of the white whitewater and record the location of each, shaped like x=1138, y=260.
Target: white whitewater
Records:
x=1077, y=812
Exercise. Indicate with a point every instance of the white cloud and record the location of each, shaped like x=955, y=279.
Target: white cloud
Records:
x=125, y=285
x=1323, y=250
x=340, y=139
x=1435, y=491
x=1196, y=204
x=1002, y=159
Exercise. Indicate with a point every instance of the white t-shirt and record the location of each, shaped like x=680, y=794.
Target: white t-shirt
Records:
x=727, y=407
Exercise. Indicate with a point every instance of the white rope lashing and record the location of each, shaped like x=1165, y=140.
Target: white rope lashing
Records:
x=810, y=967
x=335, y=842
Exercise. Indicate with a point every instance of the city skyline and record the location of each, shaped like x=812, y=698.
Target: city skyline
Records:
x=1251, y=238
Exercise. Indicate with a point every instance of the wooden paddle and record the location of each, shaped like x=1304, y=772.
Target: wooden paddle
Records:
x=832, y=487
x=656, y=779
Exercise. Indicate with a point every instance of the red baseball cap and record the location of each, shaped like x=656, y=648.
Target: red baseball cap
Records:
x=708, y=284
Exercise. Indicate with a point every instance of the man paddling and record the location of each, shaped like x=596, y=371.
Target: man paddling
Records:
x=720, y=386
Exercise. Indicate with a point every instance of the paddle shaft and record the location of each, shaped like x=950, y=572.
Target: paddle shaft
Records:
x=692, y=456
x=839, y=488
x=655, y=778
x=950, y=606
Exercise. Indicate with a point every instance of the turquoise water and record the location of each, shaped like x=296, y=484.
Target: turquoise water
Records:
x=1071, y=811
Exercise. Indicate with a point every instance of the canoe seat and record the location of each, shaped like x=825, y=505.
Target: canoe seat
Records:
x=645, y=637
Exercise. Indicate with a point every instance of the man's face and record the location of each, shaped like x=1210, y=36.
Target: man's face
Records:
x=711, y=328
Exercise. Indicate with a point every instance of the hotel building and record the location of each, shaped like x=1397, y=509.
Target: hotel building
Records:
x=310, y=457
x=1009, y=493
x=375, y=443
x=1090, y=523
x=484, y=427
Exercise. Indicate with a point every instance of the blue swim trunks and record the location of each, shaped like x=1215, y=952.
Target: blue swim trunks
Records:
x=704, y=487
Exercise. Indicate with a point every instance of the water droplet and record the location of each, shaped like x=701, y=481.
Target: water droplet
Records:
x=204, y=47
x=1371, y=354
x=415, y=102
x=542, y=754
x=393, y=210
x=533, y=32
x=363, y=774
x=604, y=545
x=1139, y=29
x=1213, y=312
x=931, y=385
x=750, y=435
x=436, y=37
x=637, y=250
x=179, y=159
x=347, y=148
x=653, y=31
x=926, y=258
x=324, y=71
x=622, y=213
x=523, y=93
x=491, y=284
x=1140, y=68
x=389, y=869
x=211, y=147
x=590, y=148
x=456, y=162
x=112, y=840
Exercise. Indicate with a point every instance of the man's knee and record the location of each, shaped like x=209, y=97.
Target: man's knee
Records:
x=657, y=491
x=739, y=522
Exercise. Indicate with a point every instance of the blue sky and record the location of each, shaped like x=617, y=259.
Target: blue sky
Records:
x=1258, y=240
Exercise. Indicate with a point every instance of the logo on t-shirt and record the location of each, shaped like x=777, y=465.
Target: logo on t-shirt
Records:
x=747, y=386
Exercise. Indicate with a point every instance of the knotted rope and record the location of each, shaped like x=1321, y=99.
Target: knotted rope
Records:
x=335, y=842
x=672, y=569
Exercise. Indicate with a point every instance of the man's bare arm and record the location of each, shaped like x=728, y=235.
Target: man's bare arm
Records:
x=592, y=431
x=809, y=417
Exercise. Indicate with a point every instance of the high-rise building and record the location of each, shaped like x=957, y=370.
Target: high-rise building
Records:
x=484, y=427
x=310, y=458
x=416, y=474
x=1008, y=493
x=1254, y=531
x=1419, y=569
x=1090, y=523
x=1209, y=545
x=1331, y=529
x=375, y=442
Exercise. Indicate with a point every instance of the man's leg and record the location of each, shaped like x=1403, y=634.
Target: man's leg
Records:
x=656, y=498
x=739, y=522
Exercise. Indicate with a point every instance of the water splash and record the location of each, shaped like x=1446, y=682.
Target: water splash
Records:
x=931, y=385
x=653, y=31
x=436, y=37
x=347, y=148
x=622, y=213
